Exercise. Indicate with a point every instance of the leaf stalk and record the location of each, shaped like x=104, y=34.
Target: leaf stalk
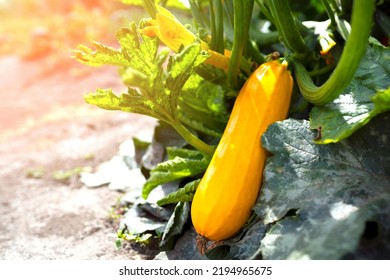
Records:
x=354, y=50
x=192, y=139
x=286, y=25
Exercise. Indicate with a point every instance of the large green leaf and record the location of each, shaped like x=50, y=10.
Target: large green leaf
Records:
x=362, y=100
x=175, y=225
x=185, y=248
x=248, y=245
x=202, y=106
x=180, y=68
x=140, y=51
x=182, y=163
x=154, y=89
x=317, y=198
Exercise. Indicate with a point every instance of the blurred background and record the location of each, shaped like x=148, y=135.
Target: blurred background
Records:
x=49, y=135
x=36, y=28
x=38, y=77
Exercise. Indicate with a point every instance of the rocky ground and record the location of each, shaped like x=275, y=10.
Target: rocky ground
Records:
x=47, y=134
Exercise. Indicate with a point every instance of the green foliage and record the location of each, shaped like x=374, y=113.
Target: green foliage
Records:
x=155, y=81
x=152, y=90
x=142, y=239
x=184, y=194
x=182, y=163
x=367, y=96
x=202, y=106
x=317, y=199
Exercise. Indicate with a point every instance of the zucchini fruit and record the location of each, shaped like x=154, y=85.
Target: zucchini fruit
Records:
x=230, y=186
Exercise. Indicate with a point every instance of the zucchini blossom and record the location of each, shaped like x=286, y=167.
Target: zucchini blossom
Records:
x=174, y=34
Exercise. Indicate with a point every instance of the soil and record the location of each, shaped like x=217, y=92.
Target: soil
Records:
x=45, y=128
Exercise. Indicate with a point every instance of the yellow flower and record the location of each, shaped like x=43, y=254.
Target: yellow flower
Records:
x=174, y=34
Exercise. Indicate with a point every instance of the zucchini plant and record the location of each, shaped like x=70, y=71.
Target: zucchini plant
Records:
x=282, y=108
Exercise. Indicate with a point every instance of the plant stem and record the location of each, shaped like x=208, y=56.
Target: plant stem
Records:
x=264, y=9
x=242, y=18
x=197, y=13
x=192, y=139
x=265, y=39
x=255, y=54
x=335, y=6
x=330, y=12
x=321, y=71
x=353, y=52
x=286, y=25
x=229, y=12
x=216, y=14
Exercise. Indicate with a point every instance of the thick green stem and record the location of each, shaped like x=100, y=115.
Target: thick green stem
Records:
x=265, y=39
x=286, y=25
x=229, y=12
x=197, y=13
x=216, y=14
x=335, y=5
x=192, y=139
x=354, y=50
x=265, y=10
x=254, y=53
x=242, y=19
x=330, y=12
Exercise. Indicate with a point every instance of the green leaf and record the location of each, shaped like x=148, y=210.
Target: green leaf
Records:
x=382, y=101
x=182, y=163
x=100, y=55
x=198, y=125
x=137, y=221
x=175, y=225
x=185, y=248
x=202, y=106
x=205, y=96
x=154, y=88
x=184, y=194
x=317, y=198
x=140, y=51
x=366, y=97
x=248, y=247
x=180, y=68
x=131, y=102
x=174, y=152
x=154, y=91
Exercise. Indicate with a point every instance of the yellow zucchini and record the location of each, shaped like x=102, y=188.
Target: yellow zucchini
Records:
x=229, y=188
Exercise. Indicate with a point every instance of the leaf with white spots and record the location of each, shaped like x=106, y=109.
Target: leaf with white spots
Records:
x=316, y=199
